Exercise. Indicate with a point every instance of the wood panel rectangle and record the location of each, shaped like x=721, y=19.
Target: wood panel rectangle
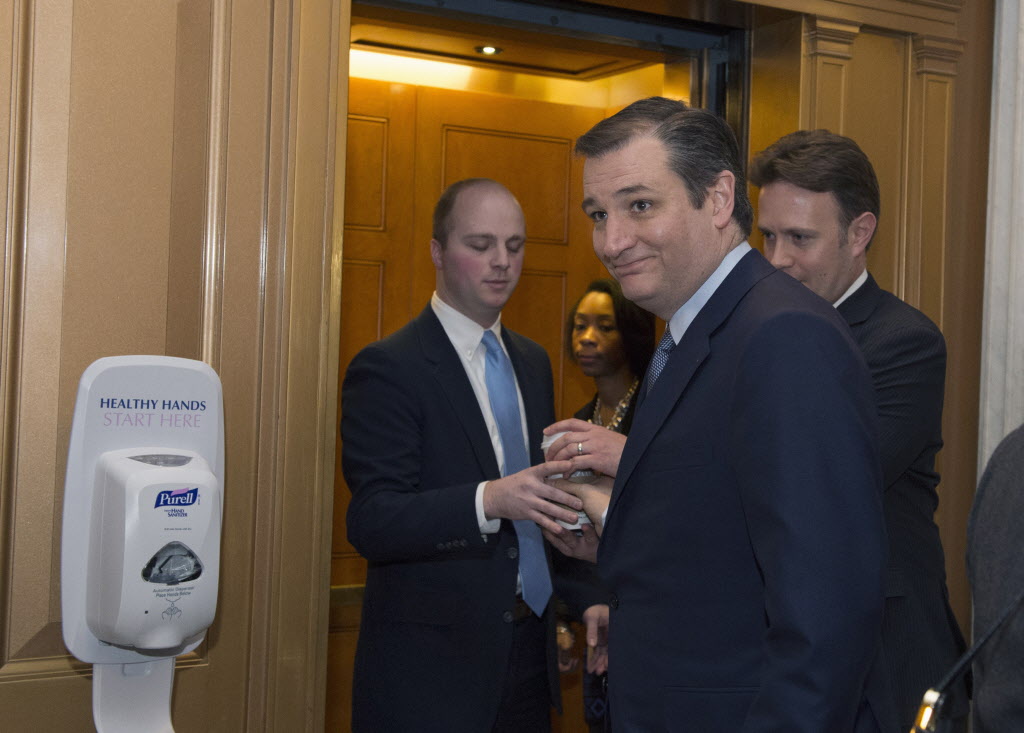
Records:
x=877, y=119
x=535, y=168
x=830, y=108
x=193, y=44
x=937, y=122
x=366, y=170
x=362, y=299
x=538, y=310
x=363, y=295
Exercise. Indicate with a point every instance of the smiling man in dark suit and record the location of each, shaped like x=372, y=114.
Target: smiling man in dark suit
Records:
x=441, y=422
x=743, y=543
x=818, y=209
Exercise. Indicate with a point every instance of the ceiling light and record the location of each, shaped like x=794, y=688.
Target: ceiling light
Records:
x=488, y=50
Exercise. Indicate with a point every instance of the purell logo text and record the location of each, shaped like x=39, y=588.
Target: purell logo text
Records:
x=178, y=497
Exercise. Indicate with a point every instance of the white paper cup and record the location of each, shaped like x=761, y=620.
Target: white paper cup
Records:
x=581, y=519
x=584, y=476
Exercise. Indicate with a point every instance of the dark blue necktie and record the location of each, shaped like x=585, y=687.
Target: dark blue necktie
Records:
x=501, y=392
x=660, y=358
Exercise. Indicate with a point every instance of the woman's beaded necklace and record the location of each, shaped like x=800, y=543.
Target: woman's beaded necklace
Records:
x=620, y=409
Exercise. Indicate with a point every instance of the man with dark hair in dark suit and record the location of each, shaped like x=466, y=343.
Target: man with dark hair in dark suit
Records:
x=441, y=424
x=743, y=541
x=818, y=209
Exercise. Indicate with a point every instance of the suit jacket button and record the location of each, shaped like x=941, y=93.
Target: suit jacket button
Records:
x=512, y=552
x=613, y=601
x=507, y=617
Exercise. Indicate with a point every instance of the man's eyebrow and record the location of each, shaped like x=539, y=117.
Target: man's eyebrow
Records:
x=625, y=191
x=630, y=190
x=787, y=230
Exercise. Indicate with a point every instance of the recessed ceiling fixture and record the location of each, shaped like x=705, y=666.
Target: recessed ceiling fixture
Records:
x=488, y=50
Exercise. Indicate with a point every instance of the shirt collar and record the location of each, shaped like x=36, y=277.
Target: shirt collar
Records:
x=861, y=279
x=683, y=317
x=464, y=333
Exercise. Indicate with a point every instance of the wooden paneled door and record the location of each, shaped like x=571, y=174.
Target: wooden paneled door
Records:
x=405, y=144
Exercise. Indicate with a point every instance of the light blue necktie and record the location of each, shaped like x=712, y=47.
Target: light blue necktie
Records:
x=660, y=358
x=501, y=392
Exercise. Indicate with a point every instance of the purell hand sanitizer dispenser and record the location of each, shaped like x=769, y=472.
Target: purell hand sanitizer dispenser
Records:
x=140, y=555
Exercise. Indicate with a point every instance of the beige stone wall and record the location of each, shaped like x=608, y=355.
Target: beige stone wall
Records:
x=170, y=190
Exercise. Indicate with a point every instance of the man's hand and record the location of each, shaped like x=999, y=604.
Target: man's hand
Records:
x=595, y=495
x=602, y=448
x=595, y=619
x=583, y=547
x=526, y=495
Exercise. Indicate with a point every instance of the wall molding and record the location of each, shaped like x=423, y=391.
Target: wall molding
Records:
x=37, y=220
x=1002, y=351
x=824, y=76
x=939, y=18
x=933, y=55
x=830, y=37
x=216, y=172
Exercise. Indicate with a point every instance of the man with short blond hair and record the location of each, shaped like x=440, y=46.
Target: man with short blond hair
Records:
x=441, y=427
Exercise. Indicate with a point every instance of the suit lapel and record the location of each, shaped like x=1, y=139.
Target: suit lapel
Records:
x=447, y=370
x=691, y=351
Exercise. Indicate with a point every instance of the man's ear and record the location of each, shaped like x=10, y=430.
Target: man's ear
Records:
x=721, y=196
x=435, y=254
x=860, y=231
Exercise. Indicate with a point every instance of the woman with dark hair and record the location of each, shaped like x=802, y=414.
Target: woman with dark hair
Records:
x=611, y=340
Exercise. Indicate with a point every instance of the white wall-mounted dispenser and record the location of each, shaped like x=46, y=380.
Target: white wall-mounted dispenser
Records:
x=140, y=554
